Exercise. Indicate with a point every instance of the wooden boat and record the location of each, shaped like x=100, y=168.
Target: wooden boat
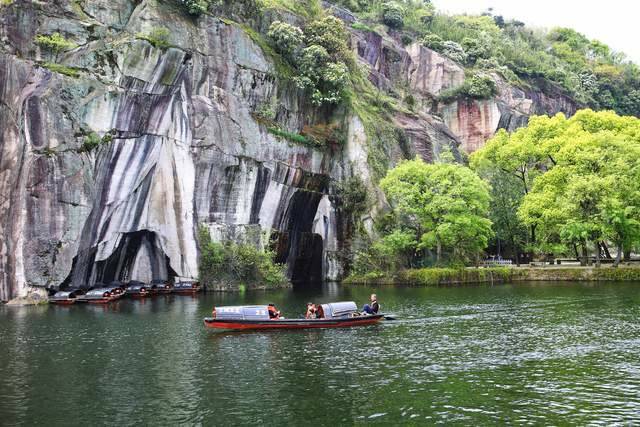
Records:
x=100, y=296
x=336, y=315
x=186, y=286
x=137, y=289
x=159, y=286
x=66, y=297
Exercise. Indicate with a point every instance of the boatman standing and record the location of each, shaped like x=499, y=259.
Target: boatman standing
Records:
x=373, y=307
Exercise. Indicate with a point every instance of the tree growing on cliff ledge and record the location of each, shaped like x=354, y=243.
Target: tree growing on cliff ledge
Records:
x=437, y=208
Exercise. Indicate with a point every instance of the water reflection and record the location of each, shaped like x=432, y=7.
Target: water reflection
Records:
x=525, y=354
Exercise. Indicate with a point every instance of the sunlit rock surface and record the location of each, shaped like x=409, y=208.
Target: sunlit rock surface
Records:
x=180, y=146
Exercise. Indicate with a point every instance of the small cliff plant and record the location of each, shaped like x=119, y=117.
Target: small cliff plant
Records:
x=54, y=43
x=238, y=264
x=157, y=36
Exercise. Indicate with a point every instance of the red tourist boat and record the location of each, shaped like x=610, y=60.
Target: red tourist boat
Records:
x=67, y=297
x=336, y=315
x=137, y=289
x=101, y=295
x=186, y=286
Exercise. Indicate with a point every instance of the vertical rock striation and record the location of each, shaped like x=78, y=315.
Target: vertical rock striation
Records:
x=110, y=164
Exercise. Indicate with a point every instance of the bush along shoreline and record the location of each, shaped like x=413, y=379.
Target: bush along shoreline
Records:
x=464, y=276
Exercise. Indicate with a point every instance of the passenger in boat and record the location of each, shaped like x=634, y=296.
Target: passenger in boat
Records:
x=312, y=311
x=319, y=312
x=373, y=307
x=273, y=312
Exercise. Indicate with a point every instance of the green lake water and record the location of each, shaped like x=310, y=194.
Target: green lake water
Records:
x=536, y=354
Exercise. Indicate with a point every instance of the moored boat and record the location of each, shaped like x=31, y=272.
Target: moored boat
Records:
x=186, y=286
x=66, y=297
x=100, y=296
x=336, y=315
x=137, y=289
x=159, y=286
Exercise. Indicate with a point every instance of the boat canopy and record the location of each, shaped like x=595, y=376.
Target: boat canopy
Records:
x=98, y=293
x=67, y=294
x=246, y=312
x=339, y=309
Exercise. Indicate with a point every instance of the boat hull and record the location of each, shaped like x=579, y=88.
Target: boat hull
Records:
x=231, y=324
x=63, y=301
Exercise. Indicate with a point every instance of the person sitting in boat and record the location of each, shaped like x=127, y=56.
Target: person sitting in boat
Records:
x=312, y=311
x=273, y=312
x=373, y=307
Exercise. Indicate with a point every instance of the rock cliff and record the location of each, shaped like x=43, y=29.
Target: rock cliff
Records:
x=115, y=152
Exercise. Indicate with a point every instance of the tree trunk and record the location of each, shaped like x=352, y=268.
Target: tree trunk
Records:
x=597, y=246
x=584, y=260
x=575, y=249
x=618, y=256
x=605, y=249
x=627, y=255
x=438, y=252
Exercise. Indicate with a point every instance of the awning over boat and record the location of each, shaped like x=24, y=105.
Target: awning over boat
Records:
x=97, y=293
x=254, y=312
x=67, y=294
x=339, y=309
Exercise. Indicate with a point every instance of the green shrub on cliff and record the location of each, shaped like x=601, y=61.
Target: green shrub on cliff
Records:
x=157, y=36
x=319, y=54
x=477, y=86
x=393, y=15
x=286, y=39
x=238, y=263
x=194, y=7
x=55, y=42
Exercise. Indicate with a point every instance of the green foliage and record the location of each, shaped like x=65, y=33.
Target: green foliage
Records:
x=237, y=263
x=61, y=69
x=556, y=61
x=93, y=141
x=195, y=7
x=286, y=39
x=439, y=208
x=55, y=42
x=354, y=196
x=157, y=36
x=321, y=62
x=293, y=137
x=393, y=15
x=433, y=42
x=329, y=32
x=362, y=27
x=578, y=177
x=440, y=276
x=477, y=86
x=454, y=51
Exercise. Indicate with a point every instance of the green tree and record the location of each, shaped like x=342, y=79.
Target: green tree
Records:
x=445, y=206
x=577, y=176
x=287, y=39
x=393, y=14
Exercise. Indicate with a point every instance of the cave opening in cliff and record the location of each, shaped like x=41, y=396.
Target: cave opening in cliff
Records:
x=298, y=246
x=137, y=256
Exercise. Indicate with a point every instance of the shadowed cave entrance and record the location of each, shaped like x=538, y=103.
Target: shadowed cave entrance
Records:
x=297, y=245
x=138, y=256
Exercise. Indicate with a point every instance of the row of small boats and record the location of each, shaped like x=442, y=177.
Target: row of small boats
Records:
x=104, y=294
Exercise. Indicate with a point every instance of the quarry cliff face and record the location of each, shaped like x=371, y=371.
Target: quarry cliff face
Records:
x=175, y=144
